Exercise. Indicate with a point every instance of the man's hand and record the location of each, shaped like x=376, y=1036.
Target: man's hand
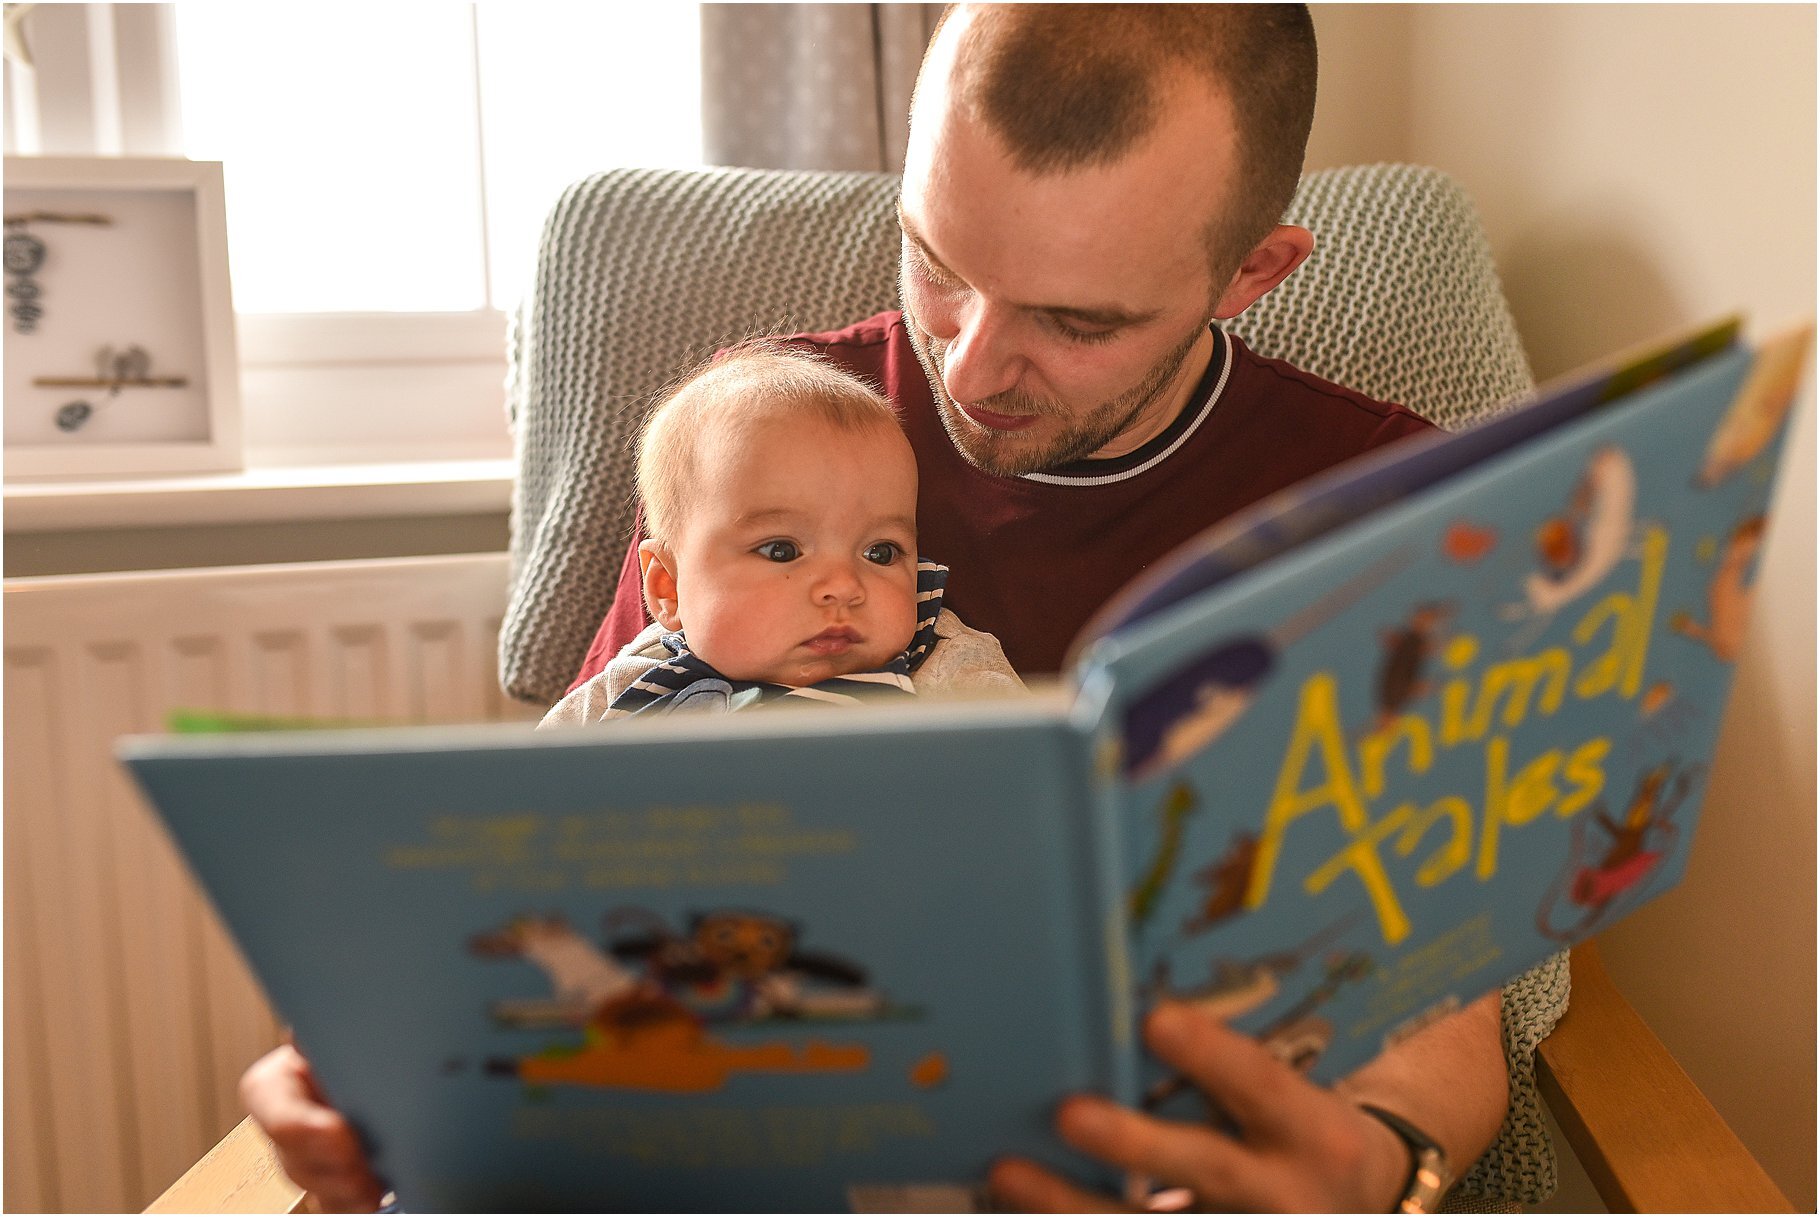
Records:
x=1301, y=1148
x=316, y=1145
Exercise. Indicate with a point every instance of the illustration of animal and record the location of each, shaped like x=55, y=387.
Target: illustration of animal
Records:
x=1465, y=542
x=737, y=965
x=584, y=980
x=1298, y=1036
x=1177, y=807
x=1639, y=841
x=1578, y=548
x=1625, y=860
x=1407, y=649
x=1756, y=414
x=1226, y=880
x=1728, y=595
x=637, y=1032
x=1192, y=709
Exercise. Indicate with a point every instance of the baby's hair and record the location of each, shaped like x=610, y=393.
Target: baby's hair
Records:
x=756, y=381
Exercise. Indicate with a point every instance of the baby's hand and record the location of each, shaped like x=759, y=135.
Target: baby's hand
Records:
x=316, y=1145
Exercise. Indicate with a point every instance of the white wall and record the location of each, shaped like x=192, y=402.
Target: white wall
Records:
x=1641, y=167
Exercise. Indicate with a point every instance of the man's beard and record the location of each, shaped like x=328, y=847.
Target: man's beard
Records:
x=1007, y=454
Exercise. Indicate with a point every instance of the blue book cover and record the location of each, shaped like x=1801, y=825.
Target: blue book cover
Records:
x=1394, y=762
x=1346, y=763
x=795, y=961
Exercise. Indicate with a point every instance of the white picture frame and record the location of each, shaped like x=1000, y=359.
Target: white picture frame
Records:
x=154, y=278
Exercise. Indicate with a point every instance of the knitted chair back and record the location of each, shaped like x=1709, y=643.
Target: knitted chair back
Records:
x=643, y=273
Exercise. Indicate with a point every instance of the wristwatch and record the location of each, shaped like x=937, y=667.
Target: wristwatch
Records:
x=1429, y=1176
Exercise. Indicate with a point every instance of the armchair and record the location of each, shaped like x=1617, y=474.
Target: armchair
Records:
x=642, y=271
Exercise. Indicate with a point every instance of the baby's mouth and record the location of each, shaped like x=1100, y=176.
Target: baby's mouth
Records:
x=835, y=640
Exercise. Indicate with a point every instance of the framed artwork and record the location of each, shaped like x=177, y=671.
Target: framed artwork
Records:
x=119, y=322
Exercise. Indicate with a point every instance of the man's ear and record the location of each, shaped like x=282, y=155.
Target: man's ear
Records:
x=1268, y=264
x=658, y=567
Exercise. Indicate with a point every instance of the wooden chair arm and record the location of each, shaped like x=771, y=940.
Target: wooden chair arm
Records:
x=240, y=1175
x=1649, y=1140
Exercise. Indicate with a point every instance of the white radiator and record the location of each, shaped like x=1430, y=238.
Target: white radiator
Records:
x=129, y=1014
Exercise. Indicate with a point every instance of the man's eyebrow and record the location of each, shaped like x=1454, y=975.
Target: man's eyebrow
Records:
x=1100, y=316
x=1108, y=315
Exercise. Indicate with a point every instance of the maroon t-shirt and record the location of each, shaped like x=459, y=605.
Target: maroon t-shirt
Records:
x=1031, y=558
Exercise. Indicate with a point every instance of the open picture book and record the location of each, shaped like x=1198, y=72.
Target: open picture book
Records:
x=1341, y=765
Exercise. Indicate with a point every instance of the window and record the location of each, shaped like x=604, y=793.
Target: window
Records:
x=387, y=167
x=400, y=158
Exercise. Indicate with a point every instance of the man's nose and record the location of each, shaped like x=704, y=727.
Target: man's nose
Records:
x=980, y=361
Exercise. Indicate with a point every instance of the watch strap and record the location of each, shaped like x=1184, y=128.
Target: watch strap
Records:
x=1429, y=1176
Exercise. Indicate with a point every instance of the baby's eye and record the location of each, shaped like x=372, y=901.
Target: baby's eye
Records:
x=779, y=551
x=883, y=553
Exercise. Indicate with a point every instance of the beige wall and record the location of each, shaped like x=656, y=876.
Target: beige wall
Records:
x=1638, y=168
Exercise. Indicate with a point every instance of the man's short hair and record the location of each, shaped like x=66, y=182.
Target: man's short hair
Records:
x=753, y=383
x=1069, y=86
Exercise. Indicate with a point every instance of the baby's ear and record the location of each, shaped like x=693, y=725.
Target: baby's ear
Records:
x=658, y=566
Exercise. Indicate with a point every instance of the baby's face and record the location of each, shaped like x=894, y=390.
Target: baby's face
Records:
x=797, y=560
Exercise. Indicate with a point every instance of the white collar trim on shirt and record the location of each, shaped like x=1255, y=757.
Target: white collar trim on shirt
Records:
x=1219, y=387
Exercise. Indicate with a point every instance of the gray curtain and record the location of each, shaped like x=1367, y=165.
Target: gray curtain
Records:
x=810, y=86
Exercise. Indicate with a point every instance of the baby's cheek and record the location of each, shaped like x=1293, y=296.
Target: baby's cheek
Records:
x=723, y=636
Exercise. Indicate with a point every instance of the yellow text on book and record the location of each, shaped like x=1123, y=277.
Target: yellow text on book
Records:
x=1319, y=771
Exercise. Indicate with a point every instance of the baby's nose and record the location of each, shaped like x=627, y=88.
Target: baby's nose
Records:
x=839, y=583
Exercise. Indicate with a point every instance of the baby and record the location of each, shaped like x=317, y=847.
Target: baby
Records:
x=780, y=558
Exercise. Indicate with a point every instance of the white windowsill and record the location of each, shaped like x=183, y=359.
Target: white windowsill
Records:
x=263, y=495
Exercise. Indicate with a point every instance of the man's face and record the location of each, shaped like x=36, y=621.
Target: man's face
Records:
x=1064, y=315
x=799, y=563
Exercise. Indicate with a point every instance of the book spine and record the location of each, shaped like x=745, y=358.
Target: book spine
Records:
x=1107, y=906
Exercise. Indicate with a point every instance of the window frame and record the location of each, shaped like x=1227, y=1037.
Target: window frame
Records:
x=316, y=388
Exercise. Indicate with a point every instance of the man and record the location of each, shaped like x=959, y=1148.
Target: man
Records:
x=1084, y=192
